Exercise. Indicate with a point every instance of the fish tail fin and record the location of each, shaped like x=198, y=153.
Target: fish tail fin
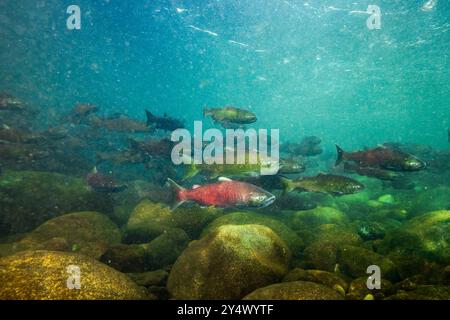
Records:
x=206, y=112
x=179, y=197
x=150, y=117
x=288, y=186
x=191, y=170
x=340, y=155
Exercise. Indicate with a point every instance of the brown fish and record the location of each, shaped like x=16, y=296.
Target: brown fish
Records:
x=11, y=103
x=120, y=124
x=382, y=157
x=152, y=147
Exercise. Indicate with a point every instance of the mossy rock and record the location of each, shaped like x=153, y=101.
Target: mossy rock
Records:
x=229, y=263
x=293, y=241
x=427, y=292
x=126, y=257
x=426, y=238
x=29, y=198
x=166, y=248
x=355, y=260
x=297, y=290
x=318, y=276
x=160, y=252
x=194, y=219
x=316, y=217
x=432, y=199
x=88, y=233
x=147, y=221
x=323, y=243
x=358, y=289
x=150, y=278
x=43, y=275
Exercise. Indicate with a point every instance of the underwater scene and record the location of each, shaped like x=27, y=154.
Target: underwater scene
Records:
x=225, y=150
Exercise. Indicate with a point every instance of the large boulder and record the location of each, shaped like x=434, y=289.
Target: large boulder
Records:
x=321, y=215
x=160, y=252
x=323, y=243
x=293, y=241
x=328, y=279
x=88, y=233
x=426, y=292
x=229, y=263
x=355, y=260
x=421, y=240
x=43, y=275
x=297, y=290
x=194, y=219
x=147, y=221
x=28, y=198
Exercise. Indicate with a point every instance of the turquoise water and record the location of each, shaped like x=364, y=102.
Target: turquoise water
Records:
x=307, y=68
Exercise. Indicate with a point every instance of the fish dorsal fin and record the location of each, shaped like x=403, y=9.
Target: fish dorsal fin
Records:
x=195, y=186
x=94, y=170
x=223, y=179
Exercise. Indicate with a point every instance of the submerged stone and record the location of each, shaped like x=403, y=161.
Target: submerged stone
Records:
x=229, y=263
x=48, y=278
x=297, y=290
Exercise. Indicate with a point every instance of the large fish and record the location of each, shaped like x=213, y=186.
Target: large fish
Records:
x=120, y=123
x=382, y=157
x=224, y=194
x=325, y=183
x=164, y=123
x=227, y=116
x=372, y=172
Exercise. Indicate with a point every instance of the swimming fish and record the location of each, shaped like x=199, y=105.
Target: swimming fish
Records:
x=225, y=193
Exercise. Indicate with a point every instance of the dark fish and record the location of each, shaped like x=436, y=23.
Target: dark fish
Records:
x=163, y=123
x=229, y=116
x=152, y=147
x=120, y=157
x=382, y=157
x=291, y=166
x=224, y=194
x=120, y=124
x=373, y=172
x=100, y=182
x=81, y=111
x=326, y=183
x=308, y=147
x=21, y=152
x=9, y=102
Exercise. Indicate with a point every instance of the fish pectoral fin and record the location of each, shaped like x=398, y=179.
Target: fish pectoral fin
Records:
x=222, y=179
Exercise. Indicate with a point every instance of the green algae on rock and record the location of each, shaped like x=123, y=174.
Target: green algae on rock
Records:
x=297, y=290
x=43, y=275
x=88, y=233
x=29, y=198
x=160, y=252
x=358, y=289
x=423, y=238
x=229, y=263
x=316, y=217
x=293, y=241
x=355, y=260
x=426, y=292
x=328, y=279
x=147, y=221
x=194, y=219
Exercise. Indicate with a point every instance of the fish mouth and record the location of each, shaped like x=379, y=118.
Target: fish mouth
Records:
x=269, y=201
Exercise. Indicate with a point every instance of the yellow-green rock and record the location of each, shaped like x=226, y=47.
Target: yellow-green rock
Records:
x=43, y=275
x=229, y=263
x=297, y=290
x=147, y=221
x=88, y=233
x=317, y=276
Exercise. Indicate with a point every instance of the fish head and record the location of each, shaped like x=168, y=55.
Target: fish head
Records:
x=260, y=198
x=291, y=166
x=353, y=187
x=412, y=163
x=249, y=117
